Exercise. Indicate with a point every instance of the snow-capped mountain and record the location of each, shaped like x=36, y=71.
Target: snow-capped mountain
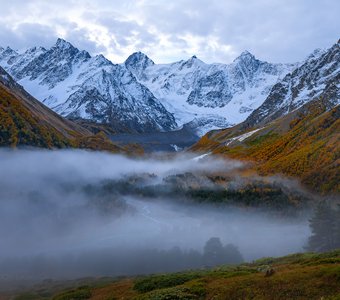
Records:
x=142, y=96
x=76, y=85
x=317, y=78
x=208, y=95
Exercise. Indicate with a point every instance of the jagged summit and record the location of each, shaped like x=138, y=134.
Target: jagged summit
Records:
x=245, y=56
x=8, y=51
x=35, y=49
x=64, y=52
x=67, y=48
x=62, y=44
x=101, y=60
x=139, y=58
x=138, y=61
x=193, y=61
x=315, y=54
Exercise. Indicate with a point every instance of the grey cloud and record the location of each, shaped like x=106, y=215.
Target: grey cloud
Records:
x=278, y=31
x=181, y=19
x=273, y=30
x=122, y=30
x=27, y=35
x=80, y=38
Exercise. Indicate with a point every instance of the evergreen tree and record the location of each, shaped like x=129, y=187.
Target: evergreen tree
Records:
x=337, y=228
x=323, y=226
x=216, y=254
x=232, y=255
x=213, y=252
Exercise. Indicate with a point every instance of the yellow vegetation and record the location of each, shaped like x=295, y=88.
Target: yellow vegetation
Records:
x=309, y=149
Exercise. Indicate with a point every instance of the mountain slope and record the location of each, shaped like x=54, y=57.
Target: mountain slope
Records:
x=317, y=77
x=304, y=144
x=296, y=130
x=76, y=85
x=297, y=276
x=27, y=122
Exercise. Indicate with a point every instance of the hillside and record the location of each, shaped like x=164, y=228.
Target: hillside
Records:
x=297, y=276
x=27, y=122
x=317, y=77
x=304, y=144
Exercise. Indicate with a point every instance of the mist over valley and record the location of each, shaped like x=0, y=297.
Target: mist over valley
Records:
x=71, y=213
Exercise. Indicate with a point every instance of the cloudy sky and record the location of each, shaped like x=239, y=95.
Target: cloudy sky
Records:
x=214, y=30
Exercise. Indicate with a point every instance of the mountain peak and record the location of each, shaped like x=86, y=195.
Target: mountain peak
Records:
x=8, y=51
x=315, y=54
x=192, y=61
x=194, y=58
x=62, y=44
x=245, y=55
x=137, y=58
x=35, y=49
x=101, y=60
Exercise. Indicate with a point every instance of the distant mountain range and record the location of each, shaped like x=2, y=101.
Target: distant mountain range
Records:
x=141, y=96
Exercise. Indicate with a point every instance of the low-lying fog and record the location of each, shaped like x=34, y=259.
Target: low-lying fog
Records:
x=57, y=219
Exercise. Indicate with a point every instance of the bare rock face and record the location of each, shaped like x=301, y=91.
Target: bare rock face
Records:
x=316, y=78
x=211, y=96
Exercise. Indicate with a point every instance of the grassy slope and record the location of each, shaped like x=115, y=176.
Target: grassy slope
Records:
x=298, y=276
x=304, y=144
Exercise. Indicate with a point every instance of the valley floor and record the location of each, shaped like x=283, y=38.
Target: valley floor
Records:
x=297, y=276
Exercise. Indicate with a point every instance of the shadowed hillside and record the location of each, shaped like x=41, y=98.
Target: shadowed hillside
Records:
x=297, y=276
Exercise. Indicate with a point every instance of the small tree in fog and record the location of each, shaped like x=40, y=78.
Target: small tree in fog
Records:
x=232, y=254
x=216, y=254
x=213, y=252
x=337, y=227
x=324, y=225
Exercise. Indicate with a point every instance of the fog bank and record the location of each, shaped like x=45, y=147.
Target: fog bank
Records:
x=57, y=221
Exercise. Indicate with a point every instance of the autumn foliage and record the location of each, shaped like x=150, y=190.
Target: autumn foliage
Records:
x=19, y=127
x=24, y=122
x=304, y=144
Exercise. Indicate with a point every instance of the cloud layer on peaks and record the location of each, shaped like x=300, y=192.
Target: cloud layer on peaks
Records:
x=215, y=31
